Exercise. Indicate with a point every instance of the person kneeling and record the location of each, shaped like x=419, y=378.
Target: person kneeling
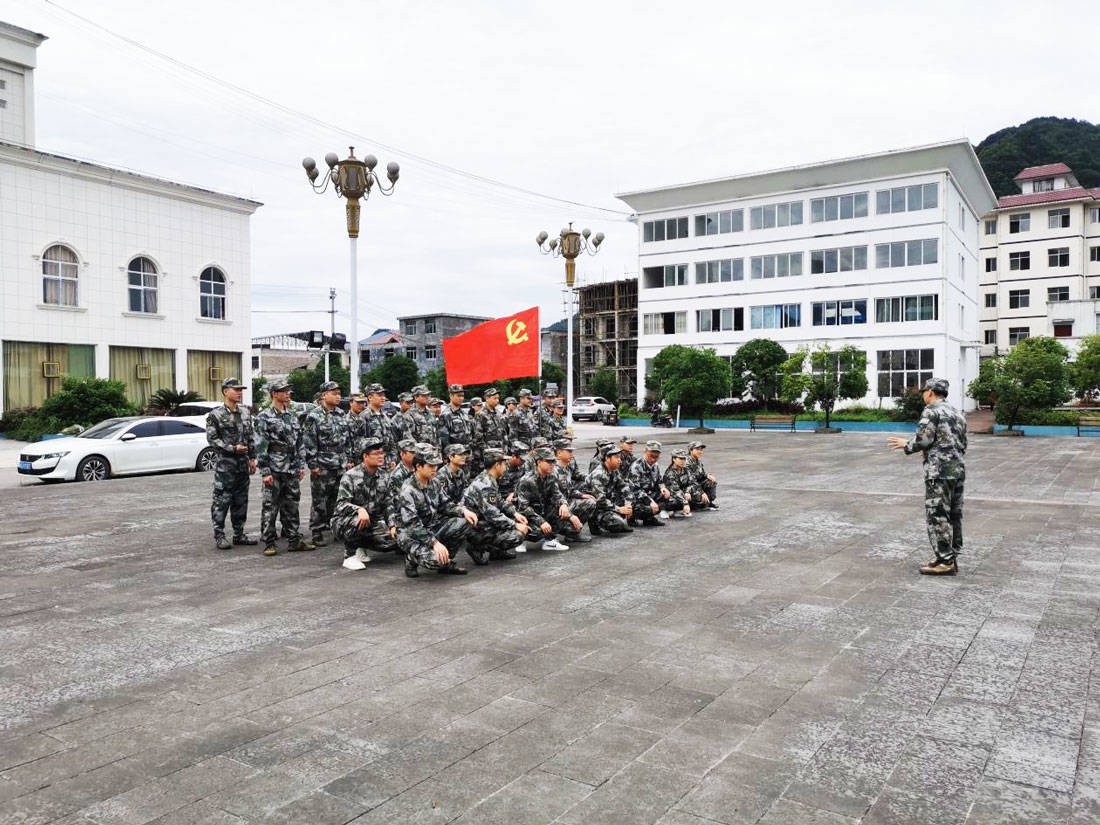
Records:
x=652, y=499
x=500, y=528
x=682, y=492
x=539, y=498
x=613, y=506
x=364, y=517
x=432, y=529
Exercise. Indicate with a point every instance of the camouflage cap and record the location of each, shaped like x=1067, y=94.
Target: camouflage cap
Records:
x=493, y=455
x=375, y=389
x=525, y=393
x=544, y=454
x=420, y=389
x=329, y=386
x=609, y=450
x=455, y=449
x=491, y=392
x=519, y=448
x=405, y=396
x=938, y=385
x=371, y=443
x=696, y=444
x=455, y=388
x=509, y=400
x=603, y=442
x=429, y=456
x=559, y=405
x=563, y=444
x=653, y=446
x=406, y=445
x=628, y=439
x=476, y=402
x=435, y=402
x=539, y=441
x=233, y=384
x=357, y=398
x=279, y=386
x=680, y=453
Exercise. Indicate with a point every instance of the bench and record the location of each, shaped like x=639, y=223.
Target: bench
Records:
x=772, y=422
x=1088, y=424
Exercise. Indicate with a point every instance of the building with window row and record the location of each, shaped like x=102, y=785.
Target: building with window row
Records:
x=879, y=252
x=108, y=273
x=1040, y=261
x=419, y=337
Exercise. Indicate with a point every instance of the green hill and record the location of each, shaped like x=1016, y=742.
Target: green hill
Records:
x=1041, y=140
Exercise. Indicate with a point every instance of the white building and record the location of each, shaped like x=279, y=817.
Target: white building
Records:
x=108, y=273
x=878, y=251
x=1040, y=268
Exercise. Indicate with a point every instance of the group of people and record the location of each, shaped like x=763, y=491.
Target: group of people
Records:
x=432, y=485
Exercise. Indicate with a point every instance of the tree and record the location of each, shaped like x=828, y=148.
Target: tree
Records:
x=1039, y=141
x=259, y=391
x=1086, y=369
x=305, y=382
x=1033, y=376
x=167, y=399
x=758, y=365
x=691, y=378
x=397, y=374
x=833, y=376
x=553, y=374
x=436, y=381
x=605, y=383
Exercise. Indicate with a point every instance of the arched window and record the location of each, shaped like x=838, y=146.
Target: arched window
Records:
x=212, y=293
x=59, y=271
x=142, y=277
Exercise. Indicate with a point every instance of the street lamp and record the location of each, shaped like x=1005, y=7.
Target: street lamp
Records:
x=352, y=179
x=569, y=244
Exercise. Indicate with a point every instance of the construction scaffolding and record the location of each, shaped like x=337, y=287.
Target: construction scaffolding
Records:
x=607, y=323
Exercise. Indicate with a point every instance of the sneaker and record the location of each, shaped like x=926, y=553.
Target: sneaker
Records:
x=243, y=539
x=664, y=515
x=319, y=540
x=353, y=563
x=554, y=544
x=939, y=567
x=594, y=529
x=299, y=544
x=412, y=569
x=452, y=569
x=362, y=555
x=222, y=543
x=521, y=547
x=712, y=506
x=270, y=550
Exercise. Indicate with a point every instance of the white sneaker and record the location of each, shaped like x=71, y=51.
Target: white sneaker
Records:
x=361, y=554
x=353, y=563
x=554, y=544
x=520, y=548
x=664, y=515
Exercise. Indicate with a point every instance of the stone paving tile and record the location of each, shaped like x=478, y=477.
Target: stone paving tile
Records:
x=1037, y=758
x=641, y=794
x=534, y=798
x=594, y=758
x=999, y=802
x=739, y=790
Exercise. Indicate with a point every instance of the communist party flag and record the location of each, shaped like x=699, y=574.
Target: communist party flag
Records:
x=501, y=348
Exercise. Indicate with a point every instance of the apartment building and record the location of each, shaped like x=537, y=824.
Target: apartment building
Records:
x=878, y=251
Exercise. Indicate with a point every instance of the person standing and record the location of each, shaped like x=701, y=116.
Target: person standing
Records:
x=524, y=427
x=376, y=424
x=419, y=424
x=229, y=431
x=491, y=431
x=941, y=440
x=365, y=515
x=557, y=426
x=399, y=422
x=325, y=444
x=455, y=426
x=279, y=460
x=357, y=427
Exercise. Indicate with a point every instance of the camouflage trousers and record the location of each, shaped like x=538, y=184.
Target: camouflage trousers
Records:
x=372, y=537
x=706, y=487
x=231, y=478
x=493, y=539
x=643, y=508
x=943, y=502
x=608, y=521
x=582, y=508
x=280, y=502
x=322, y=491
x=454, y=533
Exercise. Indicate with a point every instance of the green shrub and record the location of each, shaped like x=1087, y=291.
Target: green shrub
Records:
x=909, y=405
x=33, y=428
x=1040, y=418
x=83, y=401
x=12, y=420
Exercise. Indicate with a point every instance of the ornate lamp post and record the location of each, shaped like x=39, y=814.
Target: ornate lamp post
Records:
x=353, y=180
x=569, y=244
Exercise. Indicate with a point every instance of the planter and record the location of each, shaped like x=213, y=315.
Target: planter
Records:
x=828, y=430
x=1010, y=433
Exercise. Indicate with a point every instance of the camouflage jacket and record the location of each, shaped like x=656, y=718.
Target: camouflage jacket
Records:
x=453, y=484
x=325, y=441
x=510, y=480
x=399, y=427
x=572, y=481
x=645, y=479
x=490, y=428
x=542, y=420
x=357, y=428
x=379, y=425
x=539, y=497
x=422, y=509
x=680, y=483
x=626, y=461
x=522, y=425
x=696, y=471
x=483, y=496
x=420, y=426
x=557, y=428
x=398, y=476
x=278, y=441
x=610, y=488
x=371, y=491
x=594, y=462
x=941, y=436
x=455, y=427
x=225, y=430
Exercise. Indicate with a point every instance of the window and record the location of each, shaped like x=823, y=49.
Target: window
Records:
x=1063, y=330
x=899, y=369
x=609, y=327
x=840, y=313
x=906, y=253
x=1019, y=260
x=713, y=223
x=1094, y=253
x=907, y=308
x=364, y=356
x=59, y=273
x=212, y=293
x=656, y=277
x=173, y=426
x=141, y=275
x=991, y=299
x=1058, y=256
x=907, y=198
x=1020, y=222
x=1094, y=214
x=990, y=264
x=410, y=352
x=1046, y=185
x=429, y=326
x=1094, y=293
x=146, y=429
x=775, y=214
x=776, y=316
x=844, y=259
x=669, y=229
x=589, y=355
x=589, y=326
x=1016, y=335
x=715, y=320
x=1057, y=218
x=838, y=207
x=991, y=226
x=408, y=327
x=713, y=272
x=786, y=264
x=430, y=352
x=1057, y=294
x=664, y=323
x=1019, y=298
x=991, y=336
x=255, y=362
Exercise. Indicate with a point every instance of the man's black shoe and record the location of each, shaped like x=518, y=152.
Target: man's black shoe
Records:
x=242, y=538
x=628, y=529
x=713, y=505
x=654, y=523
x=452, y=569
x=480, y=557
x=412, y=569
x=594, y=529
x=576, y=538
x=319, y=540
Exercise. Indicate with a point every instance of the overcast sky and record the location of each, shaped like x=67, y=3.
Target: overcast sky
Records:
x=575, y=100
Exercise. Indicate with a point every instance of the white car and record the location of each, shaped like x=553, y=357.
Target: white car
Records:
x=120, y=446
x=196, y=411
x=592, y=407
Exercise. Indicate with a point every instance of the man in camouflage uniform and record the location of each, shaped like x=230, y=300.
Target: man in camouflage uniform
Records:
x=431, y=529
x=500, y=527
x=704, y=481
x=523, y=425
x=477, y=448
x=574, y=489
x=613, y=504
x=455, y=426
x=597, y=457
x=557, y=426
x=399, y=423
x=325, y=445
x=682, y=490
x=419, y=424
x=365, y=514
x=454, y=478
x=357, y=427
x=279, y=459
x=545, y=412
x=510, y=406
x=491, y=430
x=435, y=407
x=376, y=424
x=229, y=431
x=941, y=440
x=536, y=444
x=626, y=444
x=515, y=469
x=406, y=453
x=649, y=493
x=540, y=499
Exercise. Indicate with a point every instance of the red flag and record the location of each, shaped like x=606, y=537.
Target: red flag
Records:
x=502, y=348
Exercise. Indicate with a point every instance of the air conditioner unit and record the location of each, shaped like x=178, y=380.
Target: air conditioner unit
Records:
x=215, y=373
x=143, y=371
x=51, y=369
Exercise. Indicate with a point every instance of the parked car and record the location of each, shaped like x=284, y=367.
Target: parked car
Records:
x=196, y=411
x=591, y=407
x=120, y=446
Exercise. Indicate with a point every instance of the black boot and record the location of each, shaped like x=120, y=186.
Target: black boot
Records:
x=412, y=570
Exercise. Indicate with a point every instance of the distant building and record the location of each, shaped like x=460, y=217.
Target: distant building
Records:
x=552, y=341
x=1040, y=262
x=380, y=345
x=607, y=318
x=275, y=356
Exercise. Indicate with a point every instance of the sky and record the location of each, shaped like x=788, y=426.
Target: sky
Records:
x=509, y=117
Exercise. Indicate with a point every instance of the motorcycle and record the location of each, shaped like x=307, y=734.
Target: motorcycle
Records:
x=660, y=419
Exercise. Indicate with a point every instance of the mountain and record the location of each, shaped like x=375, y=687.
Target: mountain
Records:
x=1041, y=140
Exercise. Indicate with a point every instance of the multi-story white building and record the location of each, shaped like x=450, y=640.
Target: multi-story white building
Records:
x=107, y=273
x=879, y=252
x=1040, y=267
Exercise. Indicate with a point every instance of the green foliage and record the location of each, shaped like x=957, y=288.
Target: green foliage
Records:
x=259, y=391
x=166, y=399
x=1039, y=141
x=757, y=365
x=1085, y=372
x=553, y=374
x=832, y=377
x=1033, y=376
x=691, y=378
x=14, y=419
x=397, y=374
x=1040, y=418
x=436, y=379
x=83, y=401
x=909, y=405
x=306, y=383
x=605, y=383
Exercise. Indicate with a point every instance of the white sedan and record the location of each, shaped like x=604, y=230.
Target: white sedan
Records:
x=120, y=446
x=592, y=407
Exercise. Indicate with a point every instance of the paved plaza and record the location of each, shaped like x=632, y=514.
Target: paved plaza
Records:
x=777, y=661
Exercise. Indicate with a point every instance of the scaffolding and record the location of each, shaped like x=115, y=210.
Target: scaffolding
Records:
x=607, y=325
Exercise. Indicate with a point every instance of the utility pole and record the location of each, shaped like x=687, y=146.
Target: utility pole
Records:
x=332, y=325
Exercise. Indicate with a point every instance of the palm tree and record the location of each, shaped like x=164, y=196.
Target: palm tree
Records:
x=167, y=400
